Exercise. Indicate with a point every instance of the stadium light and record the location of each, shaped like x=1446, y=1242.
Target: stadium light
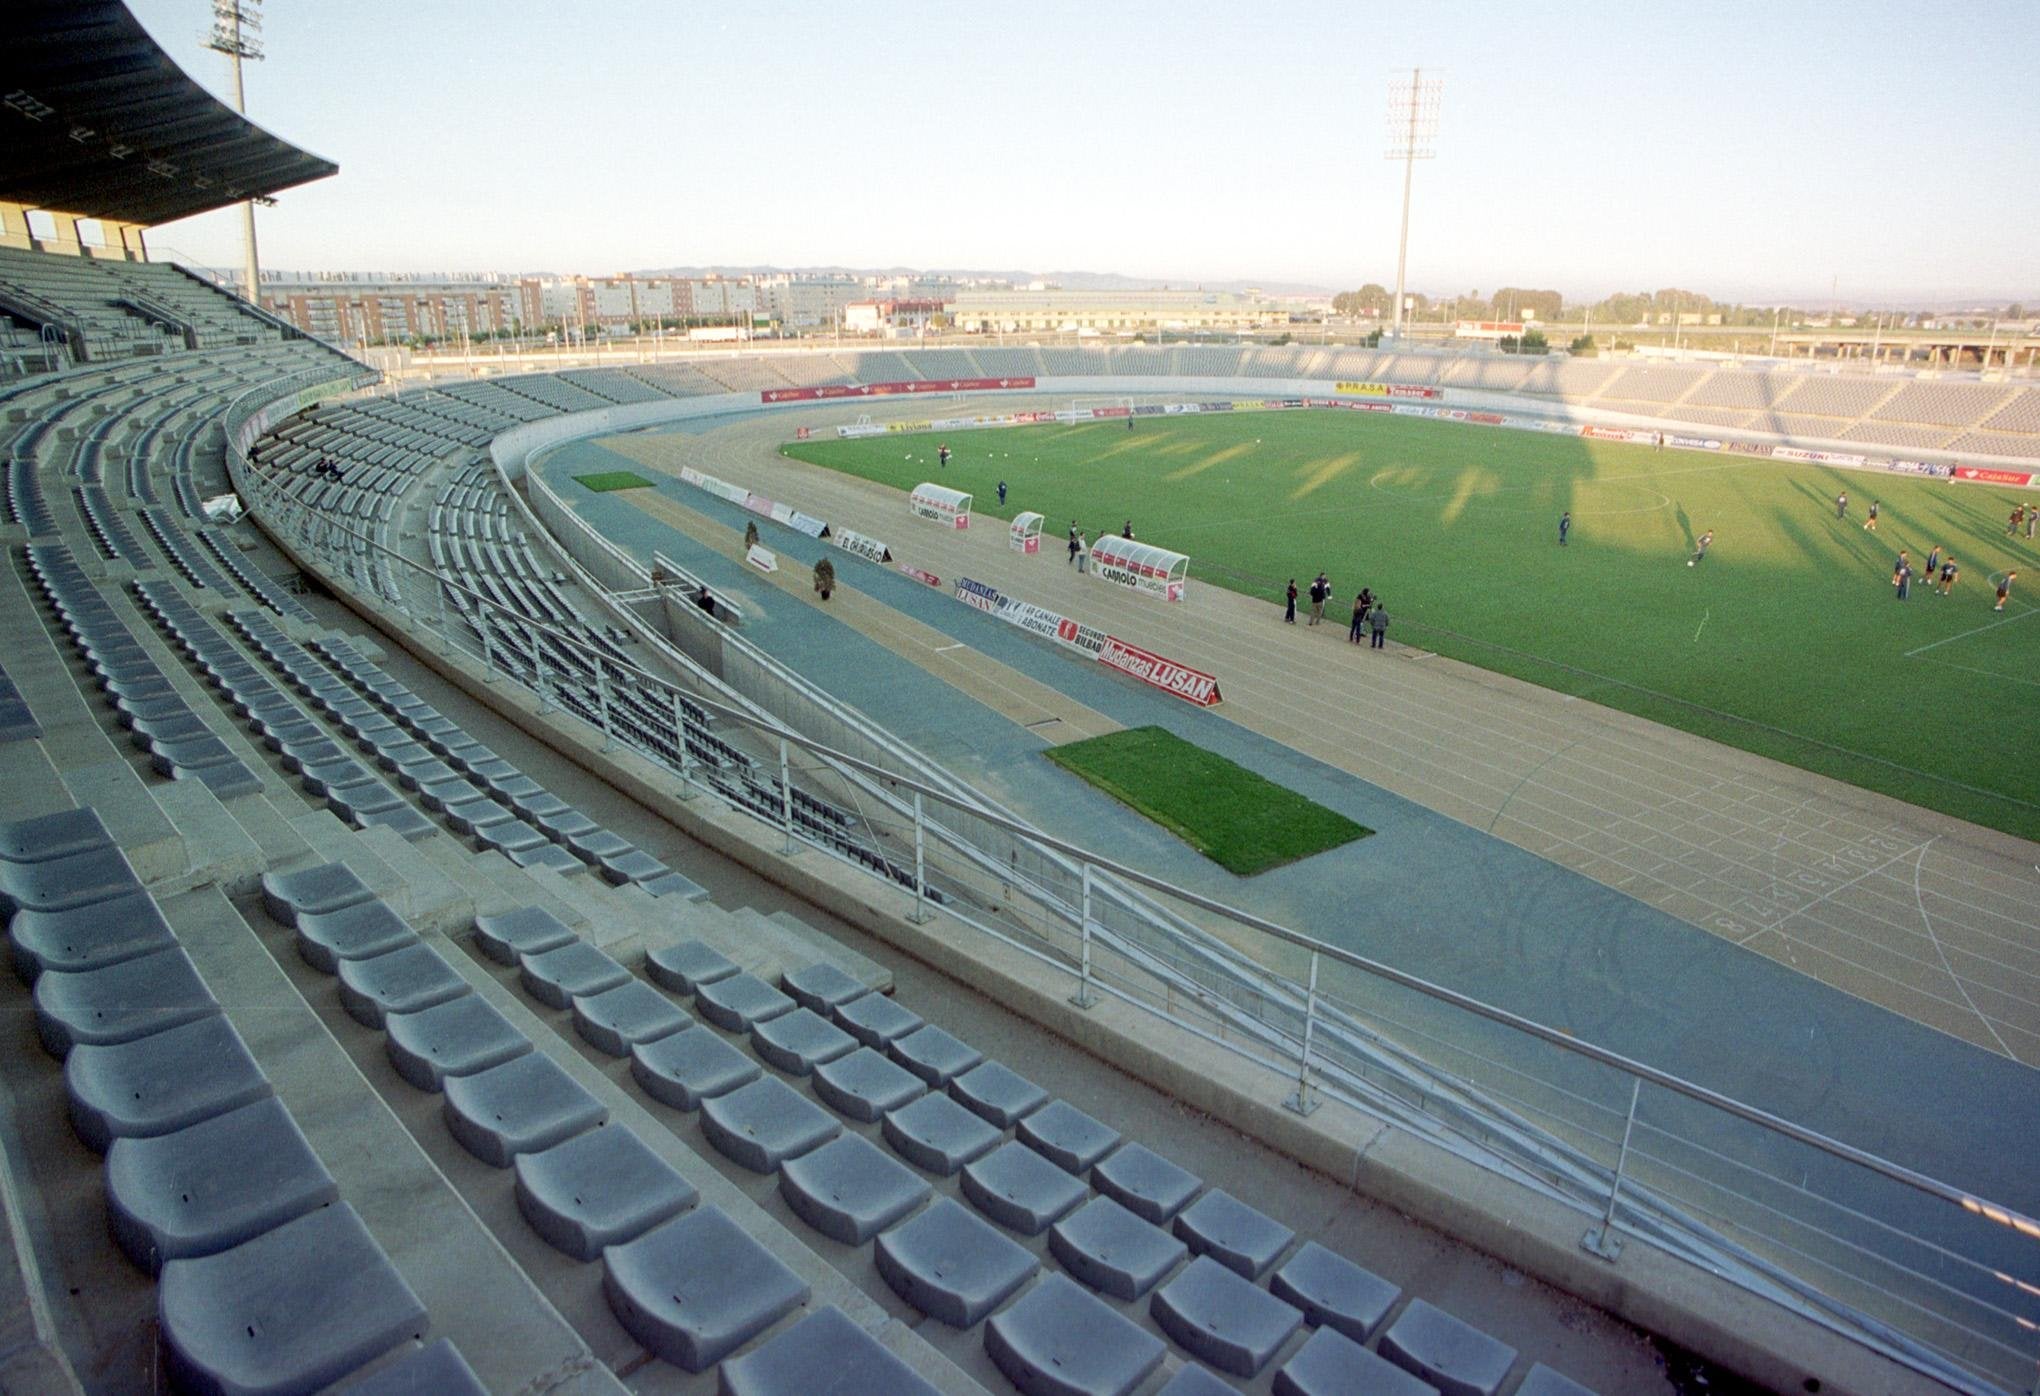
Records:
x=1412, y=136
x=237, y=32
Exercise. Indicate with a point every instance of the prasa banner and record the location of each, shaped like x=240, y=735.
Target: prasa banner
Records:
x=1385, y=390
x=940, y=385
x=1191, y=685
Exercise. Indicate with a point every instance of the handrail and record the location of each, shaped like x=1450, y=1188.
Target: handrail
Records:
x=1861, y=1326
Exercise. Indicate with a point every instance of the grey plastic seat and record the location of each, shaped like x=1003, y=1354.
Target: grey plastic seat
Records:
x=288, y=1312
x=156, y=1084
x=685, y=967
x=1059, y=1341
x=211, y=1185
x=508, y=936
x=673, y=884
x=1331, y=1364
x=1021, y=1190
x=690, y=1067
x=557, y=977
x=951, y=1266
x=1222, y=1319
x=697, y=1288
x=326, y=887
x=361, y=931
x=514, y=839
x=120, y=1002
x=1542, y=1381
x=799, y=1041
x=1451, y=1354
x=355, y=803
x=934, y=1055
x=1066, y=1137
x=1145, y=1183
x=939, y=1135
x=403, y=980
x=766, y=1123
x=598, y=1189
x=850, y=1190
x=456, y=1038
x=56, y=884
x=876, y=1020
x=547, y=855
x=822, y=986
x=335, y=777
x=57, y=835
x=1193, y=1380
x=88, y=937
x=401, y=820
x=636, y=865
x=866, y=1084
x=1333, y=1291
x=1110, y=1249
x=740, y=1002
x=997, y=1094
x=1232, y=1233
x=824, y=1352
x=617, y=1019
x=437, y=1369
x=527, y=1103
x=470, y=815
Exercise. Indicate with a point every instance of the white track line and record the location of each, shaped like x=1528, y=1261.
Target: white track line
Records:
x=1917, y=865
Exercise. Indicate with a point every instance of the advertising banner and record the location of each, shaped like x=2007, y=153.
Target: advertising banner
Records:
x=1693, y=443
x=1817, y=457
x=762, y=559
x=988, y=599
x=1191, y=685
x=1031, y=617
x=1993, y=477
x=945, y=385
x=1385, y=390
x=806, y=523
x=918, y=575
x=1079, y=636
x=757, y=504
x=1920, y=467
x=861, y=544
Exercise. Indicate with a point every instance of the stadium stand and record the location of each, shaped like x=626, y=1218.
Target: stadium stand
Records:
x=1942, y=404
x=1832, y=396
x=1655, y=384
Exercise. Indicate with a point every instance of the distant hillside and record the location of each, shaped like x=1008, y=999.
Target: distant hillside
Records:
x=1071, y=280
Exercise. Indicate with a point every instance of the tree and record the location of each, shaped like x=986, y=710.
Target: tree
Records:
x=1511, y=303
x=1534, y=342
x=1583, y=347
x=1371, y=299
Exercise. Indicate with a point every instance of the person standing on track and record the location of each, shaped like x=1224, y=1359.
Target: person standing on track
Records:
x=1378, y=622
x=1320, y=590
x=1842, y=505
x=1359, y=617
x=2004, y=589
x=1564, y=526
x=1870, y=524
x=1289, y=615
x=1074, y=545
x=1083, y=546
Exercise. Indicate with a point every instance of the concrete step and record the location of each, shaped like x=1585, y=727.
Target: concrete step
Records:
x=475, y=1293
x=431, y=900
x=854, y=962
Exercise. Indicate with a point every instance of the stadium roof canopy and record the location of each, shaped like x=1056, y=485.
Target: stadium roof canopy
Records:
x=97, y=120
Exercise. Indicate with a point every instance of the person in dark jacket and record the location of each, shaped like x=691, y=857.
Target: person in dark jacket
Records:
x=1378, y=622
x=1289, y=615
x=1360, y=609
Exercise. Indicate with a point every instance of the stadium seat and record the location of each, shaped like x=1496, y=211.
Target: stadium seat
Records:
x=950, y=1265
x=798, y=1042
x=290, y=1311
x=84, y=878
x=1145, y=1183
x=866, y=1084
x=1067, y=1137
x=696, y=1288
x=934, y=1055
x=821, y=986
x=527, y=1103
x=1454, y=1356
x=1059, y=1341
x=876, y=1020
x=1235, y=1235
x=1021, y=1190
x=1331, y=1364
x=615, y=1020
x=690, y=1067
x=326, y=887
x=88, y=937
x=156, y=1084
x=1333, y=1291
x=361, y=931
x=766, y=1123
x=1542, y=1381
x=1222, y=1319
x=740, y=1002
x=939, y=1135
x=1110, y=1249
x=120, y=1002
x=823, y=1352
x=598, y=1189
x=997, y=1094
x=559, y=976
x=437, y=1369
x=685, y=967
x=509, y=936
x=850, y=1190
x=58, y=835
x=403, y=980
x=211, y=1185
x=457, y=1038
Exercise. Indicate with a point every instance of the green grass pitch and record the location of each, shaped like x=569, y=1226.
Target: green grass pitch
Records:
x=1785, y=641
x=1243, y=822
x=602, y=481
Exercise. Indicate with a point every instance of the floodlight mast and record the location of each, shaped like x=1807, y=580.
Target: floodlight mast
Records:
x=1412, y=136
x=237, y=32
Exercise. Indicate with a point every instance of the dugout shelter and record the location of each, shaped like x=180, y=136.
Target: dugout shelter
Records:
x=1024, y=534
x=942, y=504
x=1142, y=566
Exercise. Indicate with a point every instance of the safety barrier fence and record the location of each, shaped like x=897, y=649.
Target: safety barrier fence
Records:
x=1925, y=1273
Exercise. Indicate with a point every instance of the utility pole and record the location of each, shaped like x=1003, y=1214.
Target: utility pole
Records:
x=1412, y=136
x=237, y=32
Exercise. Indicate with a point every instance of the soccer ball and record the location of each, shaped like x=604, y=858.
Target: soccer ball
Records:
x=1689, y=562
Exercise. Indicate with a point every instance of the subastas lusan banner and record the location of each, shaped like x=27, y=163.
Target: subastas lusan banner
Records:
x=1191, y=685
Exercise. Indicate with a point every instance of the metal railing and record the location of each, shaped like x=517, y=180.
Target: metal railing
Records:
x=1927, y=1274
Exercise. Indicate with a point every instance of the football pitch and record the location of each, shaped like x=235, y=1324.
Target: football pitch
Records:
x=1786, y=640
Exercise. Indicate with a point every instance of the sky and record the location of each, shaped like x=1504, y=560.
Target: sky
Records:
x=1753, y=151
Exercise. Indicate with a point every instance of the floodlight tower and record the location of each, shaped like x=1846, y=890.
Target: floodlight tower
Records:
x=237, y=32
x=1412, y=136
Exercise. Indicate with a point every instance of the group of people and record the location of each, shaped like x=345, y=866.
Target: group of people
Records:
x=1080, y=542
x=2027, y=514
x=1370, y=617
x=1941, y=571
x=329, y=469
